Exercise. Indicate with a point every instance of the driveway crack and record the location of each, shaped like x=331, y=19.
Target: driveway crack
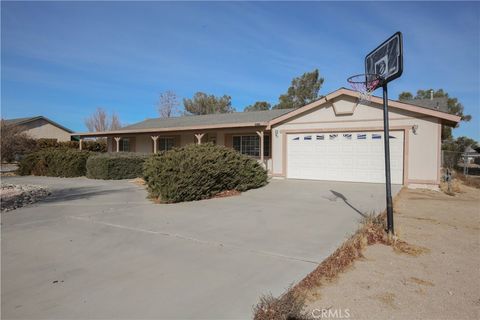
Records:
x=195, y=240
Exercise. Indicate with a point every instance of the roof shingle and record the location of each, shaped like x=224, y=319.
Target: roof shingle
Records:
x=209, y=119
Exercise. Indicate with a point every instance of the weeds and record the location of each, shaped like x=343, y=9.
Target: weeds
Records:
x=469, y=180
x=288, y=306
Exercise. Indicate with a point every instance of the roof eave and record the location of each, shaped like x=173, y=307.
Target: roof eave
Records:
x=446, y=118
x=177, y=129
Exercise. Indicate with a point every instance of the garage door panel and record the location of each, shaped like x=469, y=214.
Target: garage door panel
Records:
x=356, y=156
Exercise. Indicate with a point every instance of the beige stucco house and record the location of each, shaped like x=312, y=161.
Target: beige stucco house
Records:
x=334, y=138
x=41, y=127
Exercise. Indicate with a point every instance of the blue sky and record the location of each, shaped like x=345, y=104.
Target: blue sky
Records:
x=63, y=59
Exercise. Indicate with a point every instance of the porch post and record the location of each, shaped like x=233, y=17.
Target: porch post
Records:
x=260, y=134
x=117, y=139
x=154, y=138
x=80, y=142
x=199, y=137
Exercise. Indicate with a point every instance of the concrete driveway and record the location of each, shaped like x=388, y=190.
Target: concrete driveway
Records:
x=99, y=249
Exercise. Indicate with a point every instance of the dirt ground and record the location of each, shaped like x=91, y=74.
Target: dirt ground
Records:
x=443, y=283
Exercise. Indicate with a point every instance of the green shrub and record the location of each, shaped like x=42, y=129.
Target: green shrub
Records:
x=197, y=172
x=99, y=145
x=25, y=166
x=55, y=162
x=115, y=166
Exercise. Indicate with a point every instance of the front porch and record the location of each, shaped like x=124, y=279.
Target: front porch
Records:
x=253, y=142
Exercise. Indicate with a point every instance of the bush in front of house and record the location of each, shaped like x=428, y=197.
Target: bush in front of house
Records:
x=197, y=172
x=99, y=145
x=115, y=166
x=55, y=162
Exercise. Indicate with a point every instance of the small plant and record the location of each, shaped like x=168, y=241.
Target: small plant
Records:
x=115, y=166
x=197, y=172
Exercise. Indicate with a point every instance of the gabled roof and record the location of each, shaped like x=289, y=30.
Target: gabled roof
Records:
x=26, y=120
x=258, y=118
x=209, y=119
x=446, y=118
x=198, y=122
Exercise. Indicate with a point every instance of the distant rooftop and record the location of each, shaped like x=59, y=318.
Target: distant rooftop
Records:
x=209, y=119
x=20, y=121
x=439, y=104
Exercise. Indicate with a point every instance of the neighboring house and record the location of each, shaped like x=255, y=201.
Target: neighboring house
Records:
x=471, y=154
x=41, y=127
x=334, y=138
x=439, y=104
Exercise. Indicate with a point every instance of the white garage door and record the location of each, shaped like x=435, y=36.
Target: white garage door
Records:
x=344, y=156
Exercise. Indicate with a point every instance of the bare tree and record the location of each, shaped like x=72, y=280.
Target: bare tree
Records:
x=115, y=122
x=99, y=121
x=167, y=104
x=14, y=141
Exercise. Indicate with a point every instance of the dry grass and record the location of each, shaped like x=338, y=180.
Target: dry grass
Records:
x=387, y=298
x=138, y=181
x=422, y=282
x=289, y=306
x=471, y=181
x=227, y=193
x=371, y=231
x=401, y=246
x=455, y=187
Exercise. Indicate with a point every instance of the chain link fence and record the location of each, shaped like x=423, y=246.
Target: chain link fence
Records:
x=468, y=164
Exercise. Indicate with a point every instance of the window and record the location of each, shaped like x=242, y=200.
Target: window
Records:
x=250, y=145
x=166, y=144
x=125, y=144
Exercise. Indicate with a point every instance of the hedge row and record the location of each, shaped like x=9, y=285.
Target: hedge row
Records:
x=55, y=162
x=66, y=162
x=193, y=172
x=115, y=166
x=88, y=145
x=197, y=172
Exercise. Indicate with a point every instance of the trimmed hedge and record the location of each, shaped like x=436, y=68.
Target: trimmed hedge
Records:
x=99, y=145
x=55, y=162
x=197, y=172
x=115, y=166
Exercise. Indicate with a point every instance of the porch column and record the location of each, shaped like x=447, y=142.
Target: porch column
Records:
x=154, y=138
x=117, y=139
x=80, y=142
x=260, y=134
x=199, y=137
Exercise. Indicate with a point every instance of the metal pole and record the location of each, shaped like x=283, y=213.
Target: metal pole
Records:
x=388, y=185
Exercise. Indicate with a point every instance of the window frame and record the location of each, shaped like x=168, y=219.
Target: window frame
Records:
x=266, y=144
x=122, y=144
x=165, y=145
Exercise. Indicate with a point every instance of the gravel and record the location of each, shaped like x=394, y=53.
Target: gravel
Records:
x=16, y=196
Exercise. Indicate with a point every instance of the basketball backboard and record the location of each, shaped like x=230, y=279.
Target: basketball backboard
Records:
x=387, y=59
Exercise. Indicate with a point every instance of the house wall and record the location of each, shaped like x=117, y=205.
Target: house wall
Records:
x=422, y=150
x=43, y=129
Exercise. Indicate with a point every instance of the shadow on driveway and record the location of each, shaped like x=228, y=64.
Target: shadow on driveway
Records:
x=79, y=193
x=341, y=196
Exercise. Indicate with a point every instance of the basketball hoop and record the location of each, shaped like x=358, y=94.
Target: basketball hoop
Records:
x=365, y=84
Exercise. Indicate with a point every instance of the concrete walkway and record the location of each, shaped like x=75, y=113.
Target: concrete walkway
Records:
x=99, y=249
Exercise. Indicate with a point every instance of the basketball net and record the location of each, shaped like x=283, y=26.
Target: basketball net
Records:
x=365, y=84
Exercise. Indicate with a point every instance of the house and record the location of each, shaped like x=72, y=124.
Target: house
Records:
x=439, y=104
x=334, y=138
x=41, y=127
x=471, y=155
